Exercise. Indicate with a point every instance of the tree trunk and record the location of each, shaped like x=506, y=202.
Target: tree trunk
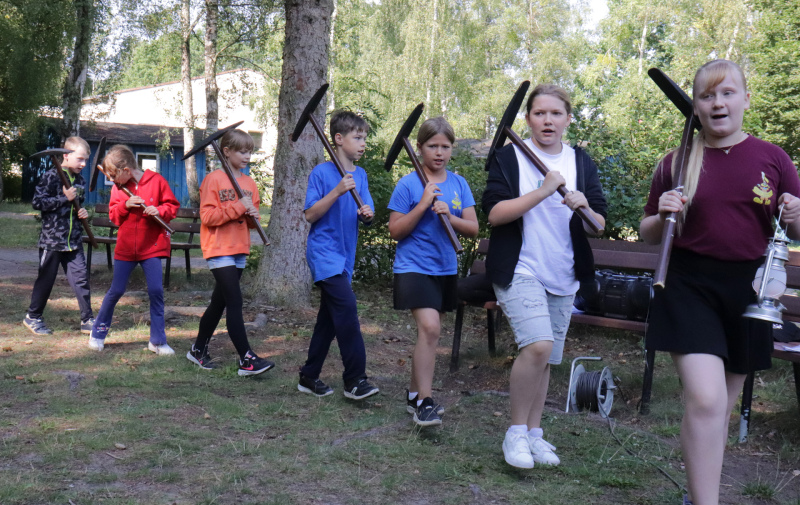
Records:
x=283, y=277
x=212, y=91
x=188, y=111
x=76, y=77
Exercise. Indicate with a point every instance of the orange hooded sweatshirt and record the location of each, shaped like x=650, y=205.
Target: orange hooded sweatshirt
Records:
x=224, y=231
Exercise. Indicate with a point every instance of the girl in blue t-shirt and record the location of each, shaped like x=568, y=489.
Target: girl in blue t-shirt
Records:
x=425, y=266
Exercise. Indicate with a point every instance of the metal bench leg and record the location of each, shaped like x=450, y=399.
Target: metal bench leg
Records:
x=89, y=262
x=647, y=382
x=108, y=257
x=747, y=401
x=166, y=274
x=491, y=328
x=188, y=265
x=457, y=338
x=796, y=367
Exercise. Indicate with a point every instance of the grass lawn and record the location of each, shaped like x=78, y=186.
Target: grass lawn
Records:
x=127, y=427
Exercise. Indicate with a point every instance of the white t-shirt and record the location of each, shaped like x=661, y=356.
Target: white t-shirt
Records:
x=546, y=242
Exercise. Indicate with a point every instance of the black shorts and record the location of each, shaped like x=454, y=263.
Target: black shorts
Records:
x=421, y=291
x=700, y=312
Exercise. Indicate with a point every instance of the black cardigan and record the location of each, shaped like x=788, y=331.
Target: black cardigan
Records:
x=506, y=239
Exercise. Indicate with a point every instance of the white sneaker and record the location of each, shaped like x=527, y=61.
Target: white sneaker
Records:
x=96, y=343
x=161, y=350
x=516, y=451
x=542, y=451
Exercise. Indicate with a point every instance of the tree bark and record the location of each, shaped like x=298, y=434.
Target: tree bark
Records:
x=76, y=77
x=283, y=277
x=212, y=91
x=188, y=110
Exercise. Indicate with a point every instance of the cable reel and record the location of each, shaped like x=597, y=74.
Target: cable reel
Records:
x=593, y=391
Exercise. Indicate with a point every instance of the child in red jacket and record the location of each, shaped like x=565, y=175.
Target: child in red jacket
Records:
x=140, y=240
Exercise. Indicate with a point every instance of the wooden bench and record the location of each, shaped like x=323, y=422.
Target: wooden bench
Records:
x=186, y=221
x=634, y=257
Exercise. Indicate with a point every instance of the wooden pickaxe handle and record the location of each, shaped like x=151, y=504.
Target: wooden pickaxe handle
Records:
x=562, y=190
x=75, y=205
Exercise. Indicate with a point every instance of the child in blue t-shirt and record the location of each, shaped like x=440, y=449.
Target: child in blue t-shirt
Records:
x=425, y=266
x=331, y=255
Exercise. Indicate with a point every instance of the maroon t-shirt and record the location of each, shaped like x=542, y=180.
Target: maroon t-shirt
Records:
x=731, y=214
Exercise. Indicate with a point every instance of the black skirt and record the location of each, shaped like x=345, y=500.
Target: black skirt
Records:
x=421, y=291
x=700, y=312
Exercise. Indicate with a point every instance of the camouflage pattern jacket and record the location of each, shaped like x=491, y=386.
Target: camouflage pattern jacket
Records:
x=61, y=228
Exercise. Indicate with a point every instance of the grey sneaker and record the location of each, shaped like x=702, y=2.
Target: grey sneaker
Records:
x=37, y=326
x=86, y=326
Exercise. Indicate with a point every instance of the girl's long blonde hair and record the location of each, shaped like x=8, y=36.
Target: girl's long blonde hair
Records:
x=708, y=76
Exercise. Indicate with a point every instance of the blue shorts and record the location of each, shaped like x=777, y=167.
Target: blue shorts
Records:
x=237, y=260
x=534, y=314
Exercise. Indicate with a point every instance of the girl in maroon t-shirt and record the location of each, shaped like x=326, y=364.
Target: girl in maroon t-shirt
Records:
x=734, y=187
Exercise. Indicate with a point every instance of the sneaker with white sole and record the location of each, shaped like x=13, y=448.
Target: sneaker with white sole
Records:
x=313, y=386
x=253, y=365
x=201, y=358
x=516, y=450
x=86, y=326
x=161, y=350
x=542, y=451
x=426, y=414
x=360, y=390
x=411, y=405
x=96, y=343
x=36, y=326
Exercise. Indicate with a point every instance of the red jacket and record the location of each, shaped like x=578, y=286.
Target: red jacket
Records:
x=139, y=236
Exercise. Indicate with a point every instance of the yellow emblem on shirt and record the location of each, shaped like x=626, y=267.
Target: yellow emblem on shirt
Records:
x=763, y=191
x=456, y=201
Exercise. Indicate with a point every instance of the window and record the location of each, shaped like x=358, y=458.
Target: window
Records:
x=147, y=161
x=257, y=140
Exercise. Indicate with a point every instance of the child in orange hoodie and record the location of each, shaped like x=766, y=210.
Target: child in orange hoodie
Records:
x=225, y=241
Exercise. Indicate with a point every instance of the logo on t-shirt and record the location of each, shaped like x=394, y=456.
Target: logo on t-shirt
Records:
x=456, y=201
x=763, y=191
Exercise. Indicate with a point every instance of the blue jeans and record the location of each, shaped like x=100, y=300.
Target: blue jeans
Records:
x=337, y=318
x=155, y=290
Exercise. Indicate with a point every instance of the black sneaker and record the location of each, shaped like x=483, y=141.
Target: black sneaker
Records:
x=313, y=386
x=411, y=405
x=426, y=414
x=86, y=326
x=37, y=326
x=360, y=390
x=253, y=365
x=201, y=358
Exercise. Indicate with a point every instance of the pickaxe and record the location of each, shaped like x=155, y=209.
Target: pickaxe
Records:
x=212, y=139
x=96, y=169
x=684, y=104
x=504, y=132
x=402, y=141
x=307, y=116
x=65, y=182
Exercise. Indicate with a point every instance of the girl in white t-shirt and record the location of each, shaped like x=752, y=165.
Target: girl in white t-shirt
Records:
x=532, y=263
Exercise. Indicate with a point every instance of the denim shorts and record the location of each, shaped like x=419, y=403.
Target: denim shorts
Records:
x=237, y=260
x=536, y=315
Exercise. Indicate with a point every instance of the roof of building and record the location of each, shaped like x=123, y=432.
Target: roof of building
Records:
x=134, y=134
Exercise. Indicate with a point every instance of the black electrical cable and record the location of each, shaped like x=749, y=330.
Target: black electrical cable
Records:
x=586, y=391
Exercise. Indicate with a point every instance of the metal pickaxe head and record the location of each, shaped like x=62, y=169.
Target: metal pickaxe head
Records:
x=310, y=108
x=675, y=94
x=211, y=138
x=52, y=152
x=98, y=155
x=507, y=120
x=405, y=132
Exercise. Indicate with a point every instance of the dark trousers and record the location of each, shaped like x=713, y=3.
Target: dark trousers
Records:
x=337, y=318
x=155, y=290
x=227, y=294
x=74, y=265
